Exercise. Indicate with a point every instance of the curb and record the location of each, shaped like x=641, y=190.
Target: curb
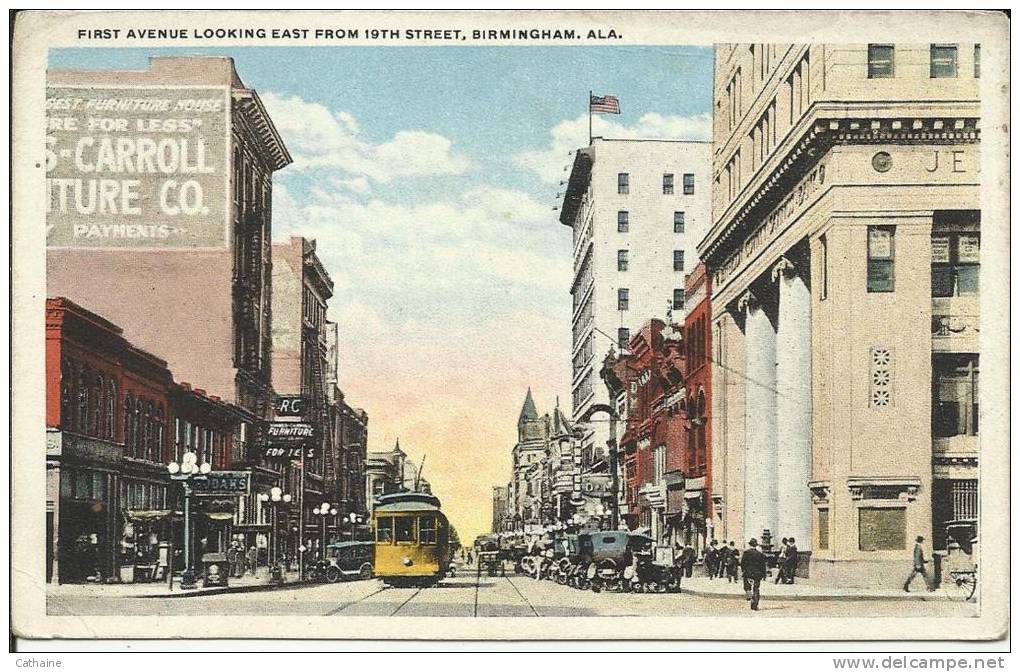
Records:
x=935, y=596
x=204, y=592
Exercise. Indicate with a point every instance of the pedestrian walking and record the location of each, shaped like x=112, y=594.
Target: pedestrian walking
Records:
x=781, y=562
x=232, y=559
x=919, y=563
x=732, y=562
x=712, y=559
x=791, y=561
x=754, y=566
x=253, y=560
x=689, y=555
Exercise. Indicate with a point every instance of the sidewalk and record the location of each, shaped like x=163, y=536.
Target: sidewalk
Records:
x=804, y=590
x=245, y=584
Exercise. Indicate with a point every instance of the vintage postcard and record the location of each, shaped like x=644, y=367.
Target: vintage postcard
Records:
x=511, y=325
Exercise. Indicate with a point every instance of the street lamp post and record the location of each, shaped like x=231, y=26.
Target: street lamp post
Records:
x=185, y=471
x=274, y=498
x=354, y=519
x=325, y=509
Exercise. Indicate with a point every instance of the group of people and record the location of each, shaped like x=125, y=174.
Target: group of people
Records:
x=242, y=562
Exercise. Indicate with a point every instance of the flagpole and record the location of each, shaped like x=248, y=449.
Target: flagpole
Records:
x=590, y=93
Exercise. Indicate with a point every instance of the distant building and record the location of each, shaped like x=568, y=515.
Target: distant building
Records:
x=392, y=471
x=499, y=507
x=845, y=258
x=637, y=208
x=705, y=512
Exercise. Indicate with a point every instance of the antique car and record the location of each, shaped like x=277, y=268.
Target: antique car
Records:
x=613, y=566
x=347, y=560
x=490, y=556
x=573, y=559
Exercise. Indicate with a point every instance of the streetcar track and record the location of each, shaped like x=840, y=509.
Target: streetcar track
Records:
x=526, y=601
x=362, y=599
x=402, y=604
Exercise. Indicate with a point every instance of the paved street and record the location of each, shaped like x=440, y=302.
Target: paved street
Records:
x=468, y=596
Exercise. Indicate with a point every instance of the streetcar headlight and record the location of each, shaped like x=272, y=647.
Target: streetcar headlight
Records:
x=406, y=561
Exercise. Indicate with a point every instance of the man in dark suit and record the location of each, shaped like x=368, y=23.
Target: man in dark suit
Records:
x=712, y=559
x=754, y=566
x=919, y=563
x=790, y=562
x=689, y=555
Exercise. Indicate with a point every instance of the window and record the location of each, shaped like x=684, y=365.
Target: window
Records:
x=678, y=260
x=943, y=61
x=678, y=221
x=623, y=183
x=622, y=337
x=977, y=61
x=621, y=260
x=955, y=404
x=623, y=221
x=404, y=529
x=955, y=264
x=823, y=529
x=384, y=529
x=667, y=183
x=688, y=183
x=881, y=243
x=111, y=411
x=623, y=299
x=678, y=299
x=426, y=530
x=881, y=61
x=882, y=529
x=823, y=246
x=660, y=463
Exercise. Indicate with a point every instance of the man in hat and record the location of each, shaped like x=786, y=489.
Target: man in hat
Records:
x=754, y=566
x=919, y=563
x=712, y=559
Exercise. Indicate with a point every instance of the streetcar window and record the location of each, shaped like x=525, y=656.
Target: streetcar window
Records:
x=405, y=529
x=427, y=530
x=384, y=530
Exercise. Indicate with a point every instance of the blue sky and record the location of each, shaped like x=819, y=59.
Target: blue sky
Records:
x=428, y=177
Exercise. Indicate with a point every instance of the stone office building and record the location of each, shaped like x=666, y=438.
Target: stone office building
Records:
x=844, y=253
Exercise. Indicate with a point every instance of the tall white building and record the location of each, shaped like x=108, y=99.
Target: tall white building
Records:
x=638, y=209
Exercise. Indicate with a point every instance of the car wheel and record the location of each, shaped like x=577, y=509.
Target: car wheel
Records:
x=366, y=572
x=333, y=574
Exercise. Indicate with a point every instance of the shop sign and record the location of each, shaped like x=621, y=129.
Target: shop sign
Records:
x=220, y=483
x=289, y=406
x=940, y=249
x=288, y=441
x=969, y=250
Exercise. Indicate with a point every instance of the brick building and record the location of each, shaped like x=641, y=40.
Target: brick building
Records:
x=698, y=385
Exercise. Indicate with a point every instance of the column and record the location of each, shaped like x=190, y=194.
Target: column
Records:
x=760, y=476
x=793, y=404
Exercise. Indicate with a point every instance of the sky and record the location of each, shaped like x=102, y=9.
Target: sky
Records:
x=428, y=177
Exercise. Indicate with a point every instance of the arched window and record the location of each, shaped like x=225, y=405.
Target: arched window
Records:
x=82, y=413
x=147, y=432
x=98, y=407
x=160, y=435
x=111, y=410
x=129, y=428
x=67, y=389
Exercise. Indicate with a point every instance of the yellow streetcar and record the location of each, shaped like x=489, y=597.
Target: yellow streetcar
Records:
x=412, y=539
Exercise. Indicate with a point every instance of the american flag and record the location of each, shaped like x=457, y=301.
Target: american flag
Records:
x=605, y=104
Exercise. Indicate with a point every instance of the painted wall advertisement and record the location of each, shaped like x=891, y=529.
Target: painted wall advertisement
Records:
x=133, y=167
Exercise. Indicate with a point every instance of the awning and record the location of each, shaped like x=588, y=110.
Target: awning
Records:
x=147, y=515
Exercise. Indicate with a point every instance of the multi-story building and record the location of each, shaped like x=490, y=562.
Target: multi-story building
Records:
x=115, y=419
x=181, y=258
x=648, y=378
x=500, y=494
x=637, y=208
x=698, y=498
x=301, y=290
x=844, y=252
x=385, y=472
x=351, y=432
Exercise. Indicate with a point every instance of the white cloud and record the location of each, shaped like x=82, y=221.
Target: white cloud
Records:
x=570, y=134
x=318, y=137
